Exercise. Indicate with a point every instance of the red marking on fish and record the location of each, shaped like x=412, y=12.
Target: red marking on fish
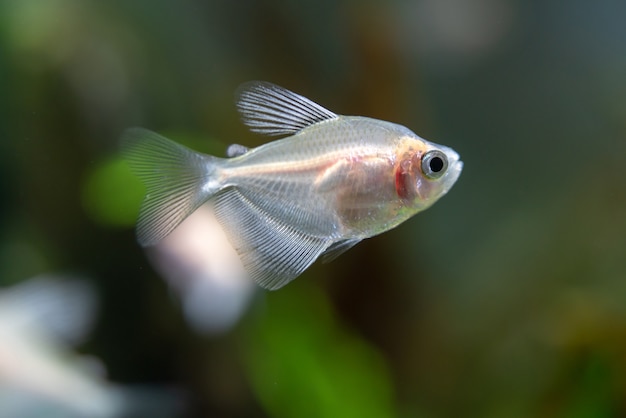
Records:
x=403, y=174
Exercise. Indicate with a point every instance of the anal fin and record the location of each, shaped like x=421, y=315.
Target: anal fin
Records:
x=273, y=251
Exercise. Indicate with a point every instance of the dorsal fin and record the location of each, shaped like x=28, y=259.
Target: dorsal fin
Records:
x=272, y=110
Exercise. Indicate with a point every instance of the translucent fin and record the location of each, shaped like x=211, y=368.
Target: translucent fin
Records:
x=235, y=150
x=64, y=308
x=177, y=179
x=338, y=248
x=272, y=251
x=272, y=110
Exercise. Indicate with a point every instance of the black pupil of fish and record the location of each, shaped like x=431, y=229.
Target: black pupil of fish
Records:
x=435, y=164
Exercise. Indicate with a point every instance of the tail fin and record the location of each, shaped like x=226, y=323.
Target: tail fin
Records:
x=177, y=180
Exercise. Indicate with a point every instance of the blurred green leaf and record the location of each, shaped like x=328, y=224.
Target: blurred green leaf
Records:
x=112, y=194
x=303, y=363
x=593, y=392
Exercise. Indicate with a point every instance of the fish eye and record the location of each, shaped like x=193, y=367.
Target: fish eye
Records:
x=434, y=164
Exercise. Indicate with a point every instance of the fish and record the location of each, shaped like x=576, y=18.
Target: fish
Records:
x=329, y=182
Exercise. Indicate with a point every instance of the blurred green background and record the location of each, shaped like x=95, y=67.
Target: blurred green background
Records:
x=506, y=299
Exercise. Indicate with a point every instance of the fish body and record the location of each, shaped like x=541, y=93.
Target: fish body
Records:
x=340, y=178
x=332, y=182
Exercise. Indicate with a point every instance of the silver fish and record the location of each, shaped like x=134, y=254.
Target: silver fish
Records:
x=332, y=182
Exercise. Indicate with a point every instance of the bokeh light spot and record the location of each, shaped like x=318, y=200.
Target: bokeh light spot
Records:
x=112, y=194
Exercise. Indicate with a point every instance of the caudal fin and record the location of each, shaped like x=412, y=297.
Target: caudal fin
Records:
x=177, y=181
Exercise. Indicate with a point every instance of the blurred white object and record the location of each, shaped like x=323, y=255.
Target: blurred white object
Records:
x=40, y=375
x=455, y=32
x=39, y=319
x=203, y=268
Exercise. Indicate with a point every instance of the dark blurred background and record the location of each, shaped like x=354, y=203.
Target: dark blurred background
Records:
x=505, y=299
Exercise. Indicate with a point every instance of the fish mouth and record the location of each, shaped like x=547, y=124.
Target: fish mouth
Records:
x=457, y=167
x=454, y=171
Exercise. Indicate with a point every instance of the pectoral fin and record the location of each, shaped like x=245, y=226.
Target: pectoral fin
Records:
x=338, y=248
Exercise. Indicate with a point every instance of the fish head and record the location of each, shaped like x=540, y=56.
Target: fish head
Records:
x=425, y=171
